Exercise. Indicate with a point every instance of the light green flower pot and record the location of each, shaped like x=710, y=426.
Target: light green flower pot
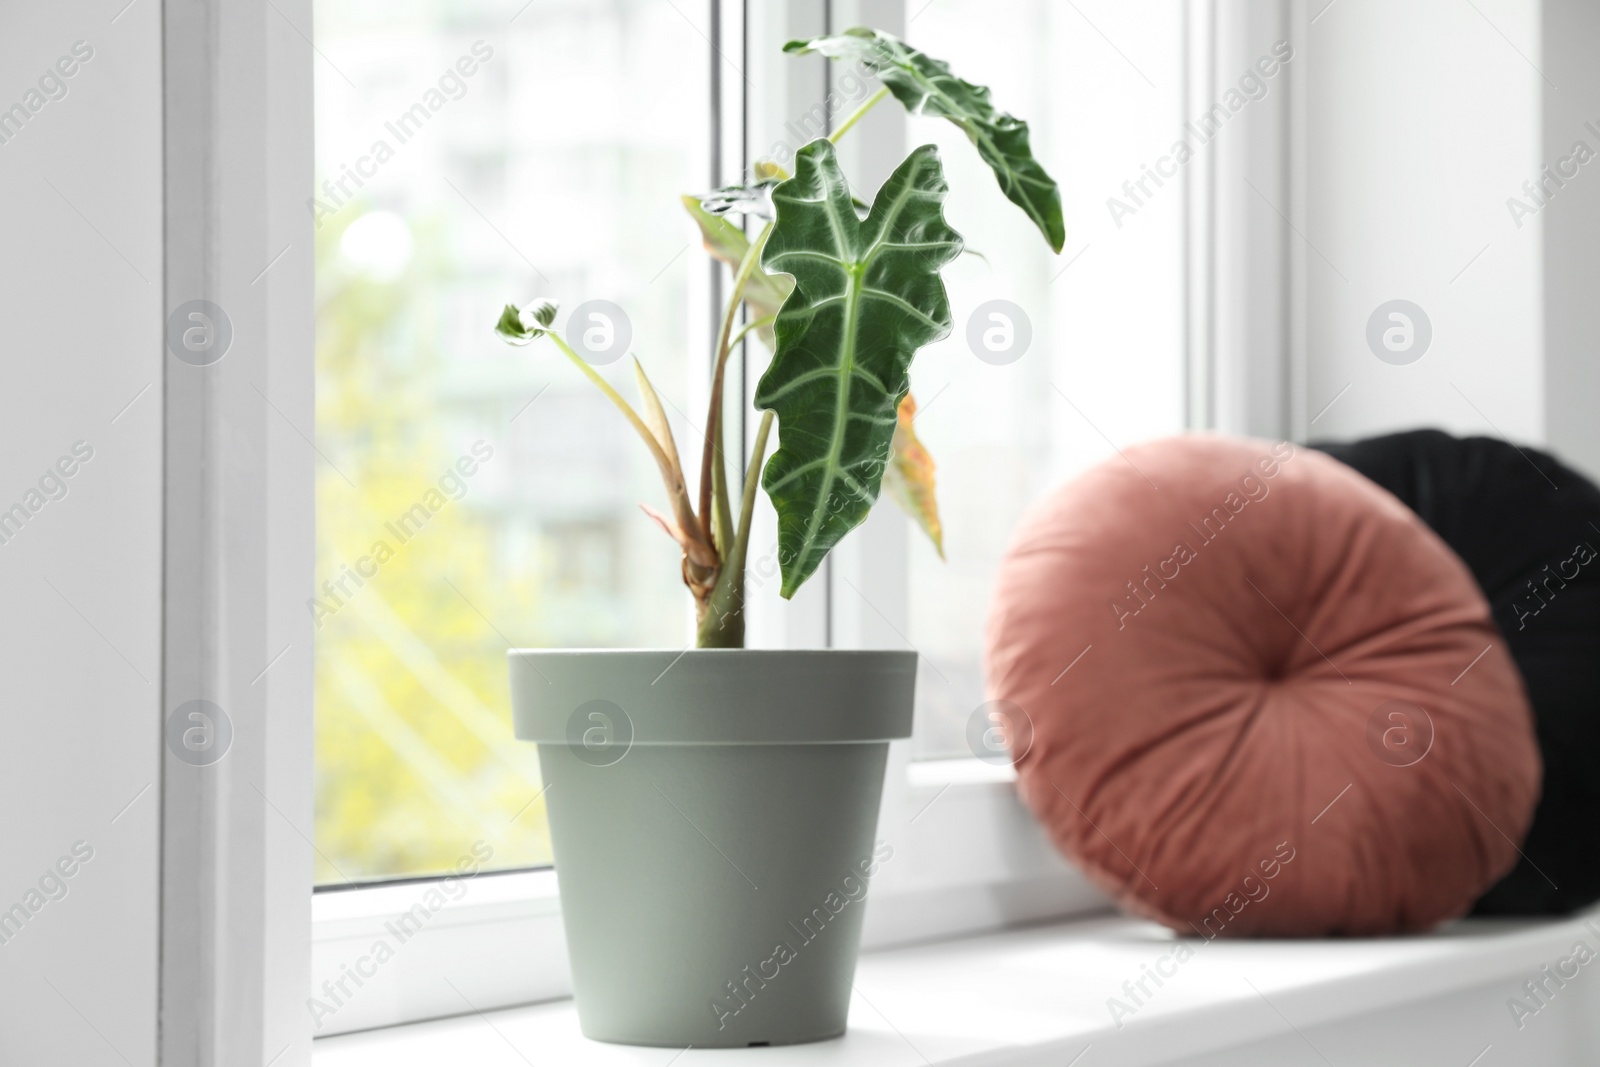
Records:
x=712, y=814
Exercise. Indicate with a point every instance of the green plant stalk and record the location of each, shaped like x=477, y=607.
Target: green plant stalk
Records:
x=722, y=625
x=748, y=327
x=856, y=116
x=721, y=517
x=713, y=475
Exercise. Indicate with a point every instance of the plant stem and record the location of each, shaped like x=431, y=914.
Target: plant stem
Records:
x=747, y=327
x=709, y=476
x=752, y=478
x=721, y=513
x=722, y=625
x=855, y=116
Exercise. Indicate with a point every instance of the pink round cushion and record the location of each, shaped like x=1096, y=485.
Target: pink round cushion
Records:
x=1249, y=692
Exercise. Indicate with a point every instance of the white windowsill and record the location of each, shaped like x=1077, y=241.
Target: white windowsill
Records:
x=938, y=772
x=1039, y=996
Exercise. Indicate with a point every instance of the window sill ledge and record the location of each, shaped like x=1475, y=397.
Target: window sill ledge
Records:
x=1040, y=996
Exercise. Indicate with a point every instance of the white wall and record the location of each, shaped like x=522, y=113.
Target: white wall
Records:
x=1422, y=118
x=80, y=300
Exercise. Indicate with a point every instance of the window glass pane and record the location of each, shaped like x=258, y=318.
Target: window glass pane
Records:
x=1104, y=365
x=472, y=496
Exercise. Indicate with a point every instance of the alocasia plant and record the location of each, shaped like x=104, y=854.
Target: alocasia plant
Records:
x=845, y=294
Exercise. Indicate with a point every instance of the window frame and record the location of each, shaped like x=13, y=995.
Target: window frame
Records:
x=239, y=531
x=969, y=857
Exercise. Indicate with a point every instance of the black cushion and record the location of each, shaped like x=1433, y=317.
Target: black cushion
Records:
x=1528, y=526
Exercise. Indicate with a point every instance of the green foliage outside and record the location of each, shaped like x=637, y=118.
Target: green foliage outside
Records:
x=414, y=757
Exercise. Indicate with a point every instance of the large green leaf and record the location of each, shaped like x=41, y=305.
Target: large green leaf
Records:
x=867, y=295
x=763, y=293
x=926, y=87
x=910, y=475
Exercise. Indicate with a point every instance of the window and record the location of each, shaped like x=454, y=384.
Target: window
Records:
x=1089, y=352
x=564, y=158
x=474, y=496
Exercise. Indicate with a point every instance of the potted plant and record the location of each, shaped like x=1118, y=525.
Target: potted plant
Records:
x=713, y=810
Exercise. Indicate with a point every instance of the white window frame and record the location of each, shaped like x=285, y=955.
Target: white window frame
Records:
x=239, y=534
x=1245, y=280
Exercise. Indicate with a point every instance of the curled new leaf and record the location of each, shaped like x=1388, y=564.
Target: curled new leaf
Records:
x=754, y=199
x=518, y=327
x=910, y=476
x=867, y=295
x=926, y=87
x=766, y=169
